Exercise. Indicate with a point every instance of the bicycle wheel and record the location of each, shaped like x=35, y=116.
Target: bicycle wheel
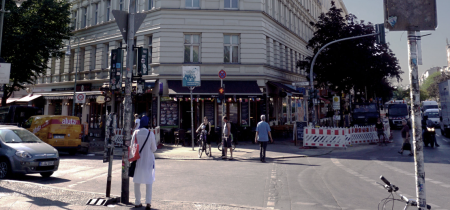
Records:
x=200, y=149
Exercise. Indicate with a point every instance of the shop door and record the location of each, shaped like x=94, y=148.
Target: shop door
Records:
x=185, y=114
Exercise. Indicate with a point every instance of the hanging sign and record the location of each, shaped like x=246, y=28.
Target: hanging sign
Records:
x=115, y=81
x=191, y=76
x=100, y=99
x=336, y=103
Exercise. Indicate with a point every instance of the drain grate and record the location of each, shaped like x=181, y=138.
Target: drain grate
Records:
x=102, y=201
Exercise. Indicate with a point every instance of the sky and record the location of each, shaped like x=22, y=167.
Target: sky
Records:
x=433, y=46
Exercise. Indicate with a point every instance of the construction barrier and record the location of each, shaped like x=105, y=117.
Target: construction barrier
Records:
x=342, y=137
x=118, y=137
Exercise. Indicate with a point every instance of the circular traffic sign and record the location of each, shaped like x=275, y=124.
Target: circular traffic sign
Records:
x=222, y=74
x=80, y=97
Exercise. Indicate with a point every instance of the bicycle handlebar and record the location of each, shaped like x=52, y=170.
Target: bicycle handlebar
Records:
x=385, y=180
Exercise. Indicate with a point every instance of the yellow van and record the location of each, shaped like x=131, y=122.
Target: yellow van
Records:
x=62, y=132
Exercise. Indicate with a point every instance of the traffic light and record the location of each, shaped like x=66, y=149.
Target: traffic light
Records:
x=381, y=37
x=221, y=93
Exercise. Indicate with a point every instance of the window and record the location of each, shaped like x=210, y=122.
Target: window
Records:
x=150, y=49
x=108, y=9
x=106, y=56
x=150, y=4
x=231, y=4
x=191, y=48
x=84, y=17
x=136, y=6
x=74, y=20
x=231, y=48
x=120, y=5
x=96, y=15
x=192, y=3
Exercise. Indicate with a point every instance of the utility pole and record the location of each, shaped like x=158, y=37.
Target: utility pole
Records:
x=415, y=117
x=128, y=22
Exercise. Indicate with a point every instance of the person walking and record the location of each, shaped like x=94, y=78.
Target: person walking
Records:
x=226, y=139
x=145, y=165
x=262, y=135
x=380, y=131
x=405, y=135
x=136, y=122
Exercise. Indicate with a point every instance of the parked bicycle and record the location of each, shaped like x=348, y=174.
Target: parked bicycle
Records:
x=393, y=189
x=202, y=144
x=233, y=145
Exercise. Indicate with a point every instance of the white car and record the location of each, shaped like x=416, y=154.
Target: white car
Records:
x=433, y=115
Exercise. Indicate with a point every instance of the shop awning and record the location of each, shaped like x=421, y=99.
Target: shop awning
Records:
x=10, y=100
x=285, y=88
x=69, y=95
x=28, y=98
x=244, y=89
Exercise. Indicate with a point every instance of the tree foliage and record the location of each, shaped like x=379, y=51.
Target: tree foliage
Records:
x=32, y=34
x=353, y=64
x=431, y=84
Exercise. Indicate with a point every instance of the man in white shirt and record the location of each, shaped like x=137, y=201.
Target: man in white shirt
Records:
x=137, y=122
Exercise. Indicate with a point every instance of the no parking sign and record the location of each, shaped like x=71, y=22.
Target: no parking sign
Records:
x=80, y=98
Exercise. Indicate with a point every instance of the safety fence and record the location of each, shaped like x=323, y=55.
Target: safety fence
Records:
x=118, y=137
x=342, y=137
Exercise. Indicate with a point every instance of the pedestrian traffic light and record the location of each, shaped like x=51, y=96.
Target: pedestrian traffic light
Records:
x=221, y=93
x=381, y=37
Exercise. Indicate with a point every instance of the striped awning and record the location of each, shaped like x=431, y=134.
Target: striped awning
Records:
x=69, y=95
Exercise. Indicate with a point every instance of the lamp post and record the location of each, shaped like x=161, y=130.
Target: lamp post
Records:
x=76, y=72
x=2, y=11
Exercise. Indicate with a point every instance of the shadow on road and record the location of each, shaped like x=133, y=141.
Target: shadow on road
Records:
x=22, y=198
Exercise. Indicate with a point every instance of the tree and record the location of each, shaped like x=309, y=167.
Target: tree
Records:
x=431, y=84
x=357, y=64
x=33, y=33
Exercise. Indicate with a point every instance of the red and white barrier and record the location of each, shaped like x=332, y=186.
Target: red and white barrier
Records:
x=324, y=137
x=363, y=134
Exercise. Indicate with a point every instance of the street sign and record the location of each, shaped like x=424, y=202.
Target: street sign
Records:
x=80, y=98
x=191, y=76
x=412, y=15
x=5, y=70
x=115, y=79
x=222, y=74
x=100, y=99
x=305, y=83
x=336, y=103
x=143, y=61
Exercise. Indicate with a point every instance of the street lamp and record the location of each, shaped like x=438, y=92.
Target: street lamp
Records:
x=76, y=72
x=2, y=11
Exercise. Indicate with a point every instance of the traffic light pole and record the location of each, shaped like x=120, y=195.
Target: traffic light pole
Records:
x=314, y=61
x=192, y=117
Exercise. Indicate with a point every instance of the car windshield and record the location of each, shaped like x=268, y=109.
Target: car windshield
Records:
x=365, y=108
x=18, y=136
x=398, y=110
x=430, y=107
x=433, y=114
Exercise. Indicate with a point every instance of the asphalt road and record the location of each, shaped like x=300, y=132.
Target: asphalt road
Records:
x=343, y=179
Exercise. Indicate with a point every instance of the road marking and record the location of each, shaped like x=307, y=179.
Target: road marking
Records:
x=445, y=140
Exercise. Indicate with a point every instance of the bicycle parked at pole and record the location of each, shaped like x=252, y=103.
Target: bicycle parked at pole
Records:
x=393, y=189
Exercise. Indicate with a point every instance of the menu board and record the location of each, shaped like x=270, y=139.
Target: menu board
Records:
x=300, y=126
x=169, y=113
x=245, y=118
x=209, y=111
x=154, y=111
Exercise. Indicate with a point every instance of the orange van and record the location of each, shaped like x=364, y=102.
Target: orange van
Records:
x=62, y=132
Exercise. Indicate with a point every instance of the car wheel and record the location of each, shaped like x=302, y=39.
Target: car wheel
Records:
x=46, y=174
x=5, y=169
x=72, y=151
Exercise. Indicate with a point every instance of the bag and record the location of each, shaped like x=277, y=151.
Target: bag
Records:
x=133, y=153
x=132, y=167
x=406, y=146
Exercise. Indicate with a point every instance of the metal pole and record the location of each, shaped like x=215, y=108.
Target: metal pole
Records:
x=76, y=75
x=192, y=117
x=125, y=194
x=416, y=123
x=223, y=114
x=111, y=146
x=314, y=61
x=1, y=27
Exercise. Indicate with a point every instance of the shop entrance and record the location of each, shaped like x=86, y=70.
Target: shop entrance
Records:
x=185, y=113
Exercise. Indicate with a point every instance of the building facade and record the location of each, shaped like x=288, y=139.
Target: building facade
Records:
x=257, y=43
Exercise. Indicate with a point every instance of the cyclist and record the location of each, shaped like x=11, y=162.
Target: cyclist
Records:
x=205, y=128
x=379, y=126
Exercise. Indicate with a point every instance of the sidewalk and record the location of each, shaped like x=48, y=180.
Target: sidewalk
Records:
x=243, y=151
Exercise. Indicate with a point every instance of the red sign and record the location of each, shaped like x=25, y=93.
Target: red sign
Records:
x=222, y=74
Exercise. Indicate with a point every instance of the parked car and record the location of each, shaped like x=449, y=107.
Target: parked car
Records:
x=24, y=153
x=62, y=132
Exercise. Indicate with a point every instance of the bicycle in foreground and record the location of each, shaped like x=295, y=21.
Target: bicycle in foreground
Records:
x=202, y=144
x=393, y=189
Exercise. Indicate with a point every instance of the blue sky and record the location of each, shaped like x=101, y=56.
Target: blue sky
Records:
x=433, y=46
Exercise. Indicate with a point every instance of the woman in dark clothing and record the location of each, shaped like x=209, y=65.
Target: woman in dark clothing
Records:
x=380, y=130
x=206, y=125
x=405, y=135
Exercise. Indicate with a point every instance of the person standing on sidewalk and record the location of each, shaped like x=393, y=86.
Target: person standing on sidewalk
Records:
x=262, y=135
x=226, y=139
x=145, y=165
x=405, y=135
x=136, y=122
